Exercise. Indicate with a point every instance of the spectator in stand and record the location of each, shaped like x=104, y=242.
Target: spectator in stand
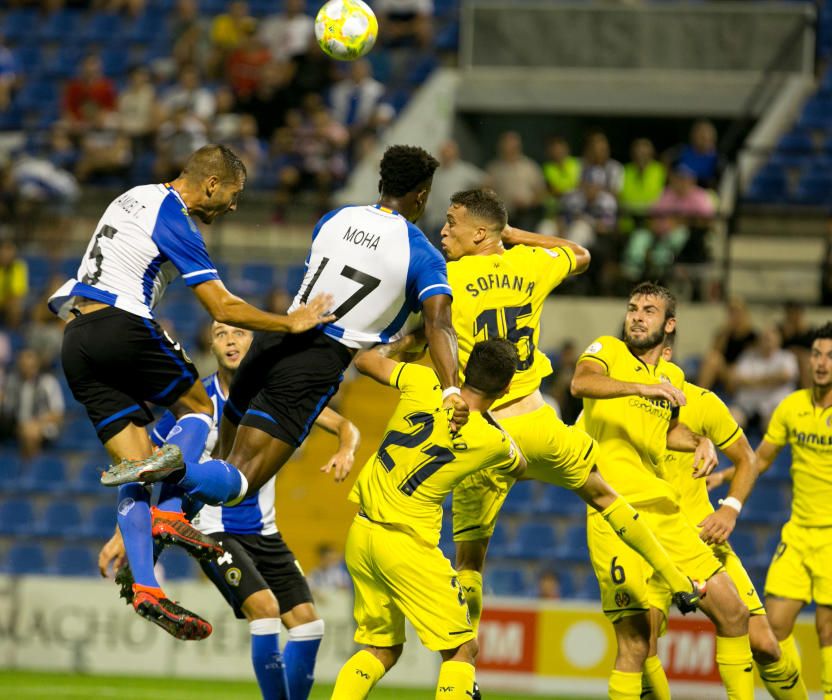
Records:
x=248, y=147
x=190, y=95
x=598, y=166
x=735, y=335
x=10, y=75
x=653, y=247
x=89, y=93
x=685, y=199
x=700, y=155
x=137, y=110
x=796, y=333
x=287, y=35
x=563, y=364
x=764, y=375
x=176, y=140
x=44, y=331
x=314, y=72
x=548, y=585
x=331, y=573
x=518, y=180
x=453, y=175
x=588, y=218
x=226, y=122
x=826, y=268
x=227, y=32
x=562, y=170
x=14, y=284
x=269, y=103
x=244, y=67
x=643, y=181
x=190, y=35
x=32, y=405
x=405, y=22
x=278, y=300
x=357, y=101
x=105, y=150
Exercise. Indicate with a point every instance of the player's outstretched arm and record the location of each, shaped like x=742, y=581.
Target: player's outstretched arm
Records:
x=375, y=364
x=680, y=438
x=719, y=525
x=225, y=307
x=439, y=331
x=112, y=555
x=516, y=236
x=348, y=440
x=590, y=381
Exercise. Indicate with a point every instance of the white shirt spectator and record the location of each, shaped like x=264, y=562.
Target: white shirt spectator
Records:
x=199, y=101
x=401, y=7
x=355, y=104
x=286, y=37
x=764, y=377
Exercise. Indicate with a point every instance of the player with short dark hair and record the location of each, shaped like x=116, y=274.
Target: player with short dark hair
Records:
x=118, y=360
x=257, y=573
x=379, y=269
x=392, y=552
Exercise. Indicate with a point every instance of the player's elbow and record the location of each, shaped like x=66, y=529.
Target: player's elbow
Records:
x=582, y=259
x=576, y=387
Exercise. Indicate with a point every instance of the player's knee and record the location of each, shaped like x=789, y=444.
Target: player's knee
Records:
x=261, y=605
x=764, y=646
x=470, y=556
x=387, y=655
x=732, y=618
x=824, y=628
x=632, y=635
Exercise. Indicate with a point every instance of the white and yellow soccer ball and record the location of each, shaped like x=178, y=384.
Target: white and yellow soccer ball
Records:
x=346, y=29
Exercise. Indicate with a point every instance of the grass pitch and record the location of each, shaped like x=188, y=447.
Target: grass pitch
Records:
x=53, y=686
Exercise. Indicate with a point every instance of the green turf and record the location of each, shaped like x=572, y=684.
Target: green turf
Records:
x=52, y=686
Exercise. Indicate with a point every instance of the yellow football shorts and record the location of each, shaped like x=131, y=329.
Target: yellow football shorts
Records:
x=625, y=578
x=801, y=568
x=398, y=576
x=556, y=454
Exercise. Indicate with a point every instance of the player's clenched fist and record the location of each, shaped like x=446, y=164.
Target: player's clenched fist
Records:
x=665, y=391
x=459, y=417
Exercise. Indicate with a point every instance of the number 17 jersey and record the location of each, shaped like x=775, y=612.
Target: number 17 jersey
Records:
x=501, y=296
x=419, y=462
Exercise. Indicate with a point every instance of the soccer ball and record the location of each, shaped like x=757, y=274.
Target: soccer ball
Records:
x=346, y=29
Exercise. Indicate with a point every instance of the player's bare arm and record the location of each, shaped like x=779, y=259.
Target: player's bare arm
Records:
x=718, y=526
x=441, y=337
x=516, y=236
x=592, y=382
x=682, y=439
x=225, y=307
x=375, y=364
x=340, y=464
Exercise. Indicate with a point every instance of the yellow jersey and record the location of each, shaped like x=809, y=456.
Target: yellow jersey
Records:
x=808, y=429
x=706, y=414
x=419, y=462
x=501, y=296
x=631, y=431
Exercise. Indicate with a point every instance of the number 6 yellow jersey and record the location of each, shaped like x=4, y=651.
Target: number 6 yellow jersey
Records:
x=418, y=463
x=501, y=296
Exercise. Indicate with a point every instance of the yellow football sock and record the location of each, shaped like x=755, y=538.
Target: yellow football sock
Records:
x=783, y=679
x=826, y=672
x=654, y=680
x=456, y=681
x=471, y=582
x=358, y=676
x=624, y=686
x=625, y=521
x=733, y=656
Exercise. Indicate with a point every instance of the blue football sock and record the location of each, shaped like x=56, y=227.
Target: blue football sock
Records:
x=213, y=481
x=266, y=659
x=189, y=434
x=170, y=498
x=134, y=523
x=299, y=656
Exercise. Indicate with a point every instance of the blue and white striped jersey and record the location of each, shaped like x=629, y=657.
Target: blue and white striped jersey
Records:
x=144, y=240
x=253, y=516
x=379, y=267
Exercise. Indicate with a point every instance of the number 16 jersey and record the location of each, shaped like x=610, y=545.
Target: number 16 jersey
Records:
x=419, y=462
x=501, y=296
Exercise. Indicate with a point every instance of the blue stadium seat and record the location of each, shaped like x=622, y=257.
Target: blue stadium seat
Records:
x=44, y=473
x=573, y=547
x=75, y=561
x=744, y=544
x=768, y=503
x=588, y=588
x=507, y=581
x=18, y=23
x=76, y=435
x=10, y=469
x=421, y=69
x=64, y=62
x=533, y=540
x=555, y=501
x=520, y=498
x=817, y=113
x=769, y=186
x=60, y=519
x=115, y=61
x=443, y=8
x=260, y=277
x=796, y=142
x=814, y=188
x=59, y=25
x=101, y=523
x=100, y=28
x=498, y=546
x=88, y=478
x=25, y=559
x=177, y=564
x=16, y=517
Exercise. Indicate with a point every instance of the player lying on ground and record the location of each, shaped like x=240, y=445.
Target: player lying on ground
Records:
x=801, y=569
x=117, y=359
x=379, y=268
x=392, y=548
x=706, y=414
x=631, y=398
x=500, y=292
x=257, y=573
